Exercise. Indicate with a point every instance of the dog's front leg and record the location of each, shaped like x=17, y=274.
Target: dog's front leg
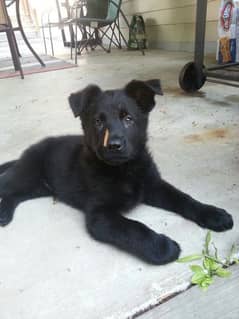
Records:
x=161, y=194
x=132, y=236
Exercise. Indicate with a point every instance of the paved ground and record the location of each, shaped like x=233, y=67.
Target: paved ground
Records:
x=49, y=267
x=220, y=301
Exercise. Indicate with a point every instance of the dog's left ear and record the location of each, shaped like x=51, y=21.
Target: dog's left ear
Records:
x=80, y=100
x=143, y=92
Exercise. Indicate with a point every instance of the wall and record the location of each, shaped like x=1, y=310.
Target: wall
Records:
x=170, y=23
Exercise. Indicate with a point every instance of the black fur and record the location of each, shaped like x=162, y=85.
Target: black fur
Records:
x=107, y=180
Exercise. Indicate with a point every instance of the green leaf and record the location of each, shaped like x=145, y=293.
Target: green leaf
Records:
x=207, y=263
x=189, y=258
x=204, y=288
x=210, y=264
x=196, y=268
x=198, y=277
x=223, y=272
x=207, y=281
x=214, y=266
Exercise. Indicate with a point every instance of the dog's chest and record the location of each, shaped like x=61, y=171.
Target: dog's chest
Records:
x=123, y=193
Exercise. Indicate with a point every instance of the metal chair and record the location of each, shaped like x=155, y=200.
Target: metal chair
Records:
x=96, y=28
x=58, y=16
x=6, y=26
x=20, y=28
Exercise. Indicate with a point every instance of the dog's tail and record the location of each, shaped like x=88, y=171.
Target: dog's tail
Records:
x=6, y=166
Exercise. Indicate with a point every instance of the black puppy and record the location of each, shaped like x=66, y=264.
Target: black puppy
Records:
x=106, y=172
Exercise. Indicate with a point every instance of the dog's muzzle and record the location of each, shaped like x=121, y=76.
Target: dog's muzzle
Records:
x=114, y=150
x=113, y=143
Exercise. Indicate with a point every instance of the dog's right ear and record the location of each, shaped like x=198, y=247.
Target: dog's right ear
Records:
x=82, y=99
x=143, y=92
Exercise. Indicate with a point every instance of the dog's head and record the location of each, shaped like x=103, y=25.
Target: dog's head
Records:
x=115, y=121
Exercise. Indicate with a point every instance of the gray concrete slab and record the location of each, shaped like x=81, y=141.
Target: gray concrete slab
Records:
x=49, y=266
x=219, y=301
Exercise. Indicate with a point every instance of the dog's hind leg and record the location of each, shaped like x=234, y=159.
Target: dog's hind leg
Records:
x=24, y=175
x=8, y=204
x=6, y=166
x=22, y=180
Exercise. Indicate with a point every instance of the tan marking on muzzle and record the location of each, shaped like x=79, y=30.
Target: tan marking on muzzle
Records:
x=106, y=138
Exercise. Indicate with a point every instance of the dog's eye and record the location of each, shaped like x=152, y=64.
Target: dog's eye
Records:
x=98, y=123
x=127, y=118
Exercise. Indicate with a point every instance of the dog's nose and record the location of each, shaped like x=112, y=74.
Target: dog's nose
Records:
x=115, y=144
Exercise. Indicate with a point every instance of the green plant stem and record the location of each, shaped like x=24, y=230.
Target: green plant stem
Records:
x=216, y=260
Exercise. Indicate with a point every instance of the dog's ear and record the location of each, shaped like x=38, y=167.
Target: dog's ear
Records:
x=81, y=99
x=143, y=92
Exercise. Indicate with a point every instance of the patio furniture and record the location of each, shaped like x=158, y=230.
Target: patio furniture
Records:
x=97, y=9
x=97, y=28
x=19, y=27
x=6, y=26
x=60, y=17
x=92, y=29
x=57, y=17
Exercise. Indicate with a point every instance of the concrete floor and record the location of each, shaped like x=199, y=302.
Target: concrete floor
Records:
x=49, y=267
x=195, y=304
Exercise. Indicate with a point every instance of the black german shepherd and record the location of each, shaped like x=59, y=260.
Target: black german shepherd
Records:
x=106, y=172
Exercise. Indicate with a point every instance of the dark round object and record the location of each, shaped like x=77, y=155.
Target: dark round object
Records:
x=191, y=78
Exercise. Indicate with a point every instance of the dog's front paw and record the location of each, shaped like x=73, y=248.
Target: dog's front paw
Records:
x=6, y=212
x=214, y=218
x=162, y=250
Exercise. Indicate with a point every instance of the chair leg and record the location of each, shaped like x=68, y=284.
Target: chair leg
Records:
x=86, y=43
x=24, y=35
x=43, y=33
x=14, y=38
x=113, y=39
x=106, y=50
x=84, y=33
x=104, y=34
x=127, y=23
x=44, y=39
x=113, y=29
x=117, y=39
x=71, y=43
x=88, y=40
x=122, y=36
x=83, y=43
x=14, y=52
x=51, y=40
x=71, y=31
x=119, y=36
x=76, y=44
x=97, y=35
x=18, y=52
